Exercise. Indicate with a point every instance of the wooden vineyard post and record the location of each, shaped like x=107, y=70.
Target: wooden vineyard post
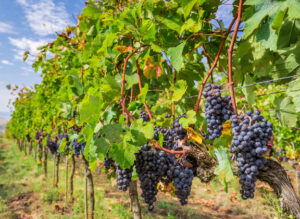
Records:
x=89, y=191
x=56, y=170
x=134, y=200
x=66, y=186
x=85, y=195
x=72, y=172
x=44, y=161
x=54, y=175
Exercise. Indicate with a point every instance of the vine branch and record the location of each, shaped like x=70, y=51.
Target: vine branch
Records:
x=213, y=65
x=229, y=52
x=140, y=87
x=156, y=145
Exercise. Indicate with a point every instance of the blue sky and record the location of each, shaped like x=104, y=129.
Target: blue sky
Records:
x=28, y=24
x=25, y=25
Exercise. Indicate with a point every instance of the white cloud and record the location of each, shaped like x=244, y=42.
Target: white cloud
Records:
x=24, y=44
x=224, y=12
x=45, y=17
x=4, y=97
x=6, y=62
x=6, y=28
x=26, y=71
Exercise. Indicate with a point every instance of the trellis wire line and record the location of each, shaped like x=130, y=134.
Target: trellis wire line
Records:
x=275, y=92
x=248, y=85
x=267, y=81
x=197, y=96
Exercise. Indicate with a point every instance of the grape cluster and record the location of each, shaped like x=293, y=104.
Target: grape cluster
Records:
x=177, y=132
x=28, y=137
x=66, y=136
x=167, y=116
x=144, y=115
x=183, y=178
x=107, y=162
x=218, y=110
x=251, y=135
x=151, y=165
x=37, y=135
x=52, y=144
x=78, y=147
x=124, y=177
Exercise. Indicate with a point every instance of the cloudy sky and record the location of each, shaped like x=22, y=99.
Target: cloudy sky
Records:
x=26, y=25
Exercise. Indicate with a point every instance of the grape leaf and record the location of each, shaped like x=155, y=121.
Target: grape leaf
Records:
x=102, y=146
x=112, y=132
x=249, y=91
x=143, y=93
x=294, y=91
x=178, y=90
x=123, y=153
x=176, y=57
x=223, y=169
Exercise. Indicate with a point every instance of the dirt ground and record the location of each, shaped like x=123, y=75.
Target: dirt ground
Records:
x=24, y=194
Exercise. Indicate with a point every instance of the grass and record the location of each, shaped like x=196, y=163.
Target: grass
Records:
x=23, y=191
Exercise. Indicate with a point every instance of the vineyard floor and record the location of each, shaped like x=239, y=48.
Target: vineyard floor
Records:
x=24, y=194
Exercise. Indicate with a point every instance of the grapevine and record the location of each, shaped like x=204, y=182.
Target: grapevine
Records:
x=123, y=88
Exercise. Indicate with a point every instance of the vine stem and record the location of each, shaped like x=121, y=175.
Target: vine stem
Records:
x=213, y=65
x=122, y=101
x=229, y=52
x=173, y=103
x=140, y=87
x=125, y=64
x=208, y=61
x=156, y=145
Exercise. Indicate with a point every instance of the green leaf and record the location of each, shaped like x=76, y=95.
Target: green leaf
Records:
x=91, y=106
x=123, y=153
x=294, y=91
x=112, y=132
x=249, y=91
x=149, y=130
x=66, y=110
x=294, y=8
x=188, y=6
x=91, y=10
x=102, y=147
x=287, y=112
x=223, y=169
x=178, y=90
x=131, y=80
x=143, y=93
x=171, y=22
x=137, y=136
x=261, y=9
x=75, y=83
x=191, y=119
x=88, y=133
x=62, y=145
x=161, y=138
x=176, y=58
x=277, y=22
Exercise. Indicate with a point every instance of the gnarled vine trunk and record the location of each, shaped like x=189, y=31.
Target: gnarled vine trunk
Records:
x=30, y=148
x=24, y=147
x=134, y=200
x=90, y=185
x=273, y=174
x=40, y=153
